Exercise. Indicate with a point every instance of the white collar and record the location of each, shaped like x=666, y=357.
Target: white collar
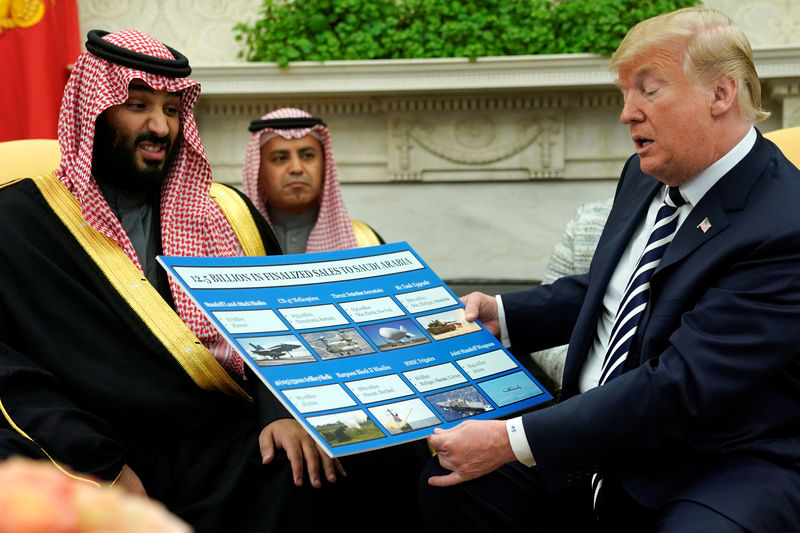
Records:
x=694, y=189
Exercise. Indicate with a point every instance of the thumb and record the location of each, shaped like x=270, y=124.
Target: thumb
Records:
x=453, y=478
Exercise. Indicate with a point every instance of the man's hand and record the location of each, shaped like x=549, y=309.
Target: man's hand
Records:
x=484, y=308
x=130, y=482
x=470, y=450
x=287, y=434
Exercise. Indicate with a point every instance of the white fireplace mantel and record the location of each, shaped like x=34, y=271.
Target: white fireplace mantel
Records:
x=560, y=71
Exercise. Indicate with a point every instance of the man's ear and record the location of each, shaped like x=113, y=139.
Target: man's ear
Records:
x=726, y=93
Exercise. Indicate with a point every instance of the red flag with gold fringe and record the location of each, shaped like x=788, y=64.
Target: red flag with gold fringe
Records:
x=39, y=41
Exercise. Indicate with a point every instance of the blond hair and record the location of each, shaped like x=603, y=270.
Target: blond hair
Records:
x=713, y=46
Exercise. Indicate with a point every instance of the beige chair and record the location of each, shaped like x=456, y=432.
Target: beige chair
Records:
x=28, y=157
x=788, y=140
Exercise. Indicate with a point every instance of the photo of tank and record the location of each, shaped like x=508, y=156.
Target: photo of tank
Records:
x=447, y=324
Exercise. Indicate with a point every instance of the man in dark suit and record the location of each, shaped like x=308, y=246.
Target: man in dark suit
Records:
x=681, y=389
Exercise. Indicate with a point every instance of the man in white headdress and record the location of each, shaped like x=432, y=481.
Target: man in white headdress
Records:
x=290, y=176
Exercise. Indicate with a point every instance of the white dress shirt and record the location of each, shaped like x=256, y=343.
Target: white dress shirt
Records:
x=693, y=190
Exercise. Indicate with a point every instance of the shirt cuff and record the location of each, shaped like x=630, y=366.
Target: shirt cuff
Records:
x=501, y=319
x=519, y=443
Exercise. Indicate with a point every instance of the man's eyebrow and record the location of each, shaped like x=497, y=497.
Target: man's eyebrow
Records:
x=639, y=74
x=645, y=70
x=143, y=87
x=139, y=86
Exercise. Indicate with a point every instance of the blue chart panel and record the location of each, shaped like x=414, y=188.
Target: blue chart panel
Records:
x=367, y=348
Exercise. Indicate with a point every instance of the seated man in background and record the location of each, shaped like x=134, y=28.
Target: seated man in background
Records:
x=571, y=255
x=290, y=176
x=106, y=367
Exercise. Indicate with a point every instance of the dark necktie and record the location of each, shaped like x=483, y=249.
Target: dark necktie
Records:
x=636, y=294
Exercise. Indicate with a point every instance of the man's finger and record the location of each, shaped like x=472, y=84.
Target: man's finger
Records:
x=328, y=465
x=312, y=463
x=340, y=468
x=267, y=448
x=453, y=478
x=436, y=439
x=471, y=308
x=295, y=455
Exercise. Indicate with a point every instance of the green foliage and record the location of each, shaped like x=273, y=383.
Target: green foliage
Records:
x=598, y=26
x=321, y=30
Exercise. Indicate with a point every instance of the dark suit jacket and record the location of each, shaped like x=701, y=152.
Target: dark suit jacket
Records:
x=709, y=406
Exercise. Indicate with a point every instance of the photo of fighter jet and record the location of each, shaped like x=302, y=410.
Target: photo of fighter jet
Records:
x=277, y=350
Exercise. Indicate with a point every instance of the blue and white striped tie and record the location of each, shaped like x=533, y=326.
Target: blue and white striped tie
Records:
x=636, y=294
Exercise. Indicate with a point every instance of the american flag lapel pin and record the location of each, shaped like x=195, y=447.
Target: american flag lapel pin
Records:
x=705, y=225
